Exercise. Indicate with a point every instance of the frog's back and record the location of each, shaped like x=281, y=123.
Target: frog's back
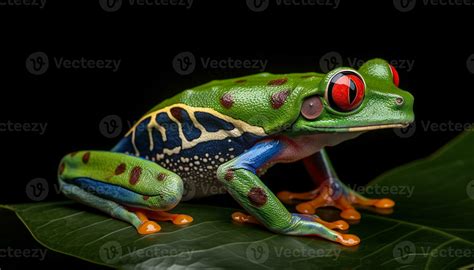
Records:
x=265, y=100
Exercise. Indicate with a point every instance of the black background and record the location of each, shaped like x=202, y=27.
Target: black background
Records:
x=147, y=38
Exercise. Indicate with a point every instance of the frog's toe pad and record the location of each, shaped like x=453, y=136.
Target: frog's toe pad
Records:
x=384, y=203
x=180, y=219
x=350, y=214
x=348, y=239
x=148, y=227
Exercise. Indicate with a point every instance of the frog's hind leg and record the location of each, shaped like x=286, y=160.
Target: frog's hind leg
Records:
x=141, y=223
x=126, y=187
x=331, y=192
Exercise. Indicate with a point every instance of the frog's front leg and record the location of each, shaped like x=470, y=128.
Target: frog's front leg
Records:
x=239, y=177
x=331, y=191
x=126, y=187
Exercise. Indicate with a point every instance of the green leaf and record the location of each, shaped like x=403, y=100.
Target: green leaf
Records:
x=431, y=228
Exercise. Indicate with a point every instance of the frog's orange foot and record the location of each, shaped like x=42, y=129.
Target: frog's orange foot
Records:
x=147, y=226
x=177, y=219
x=240, y=217
x=332, y=193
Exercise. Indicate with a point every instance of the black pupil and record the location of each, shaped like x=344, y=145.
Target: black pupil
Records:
x=352, y=91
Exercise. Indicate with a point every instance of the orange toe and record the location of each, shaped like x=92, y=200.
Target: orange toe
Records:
x=348, y=239
x=149, y=227
x=384, y=203
x=350, y=214
x=181, y=219
x=340, y=225
x=306, y=208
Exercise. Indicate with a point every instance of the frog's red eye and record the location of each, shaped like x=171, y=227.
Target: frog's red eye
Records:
x=345, y=91
x=312, y=107
x=396, y=78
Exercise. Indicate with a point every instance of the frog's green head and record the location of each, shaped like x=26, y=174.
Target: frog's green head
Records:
x=347, y=100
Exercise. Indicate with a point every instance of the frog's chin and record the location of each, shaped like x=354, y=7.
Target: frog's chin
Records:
x=359, y=128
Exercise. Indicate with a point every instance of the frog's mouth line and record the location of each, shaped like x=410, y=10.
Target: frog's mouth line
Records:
x=361, y=128
x=374, y=127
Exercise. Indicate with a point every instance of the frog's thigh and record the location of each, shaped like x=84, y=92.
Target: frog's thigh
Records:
x=114, y=179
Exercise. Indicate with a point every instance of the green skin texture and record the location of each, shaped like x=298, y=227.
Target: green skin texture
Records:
x=251, y=105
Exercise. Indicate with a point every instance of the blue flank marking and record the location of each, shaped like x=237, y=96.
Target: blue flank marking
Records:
x=212, y=123
x=258, y=155
x=109, y=191
x=212, y=148
x=189, y=130
x=142, y=135
x=172, y=132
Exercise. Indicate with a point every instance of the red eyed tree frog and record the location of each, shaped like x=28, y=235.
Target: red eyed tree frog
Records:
x=224, y=134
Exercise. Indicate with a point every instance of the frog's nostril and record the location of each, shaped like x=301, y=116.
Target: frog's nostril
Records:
x=399, y=101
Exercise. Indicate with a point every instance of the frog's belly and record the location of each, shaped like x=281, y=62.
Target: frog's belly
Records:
x=198, y=166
